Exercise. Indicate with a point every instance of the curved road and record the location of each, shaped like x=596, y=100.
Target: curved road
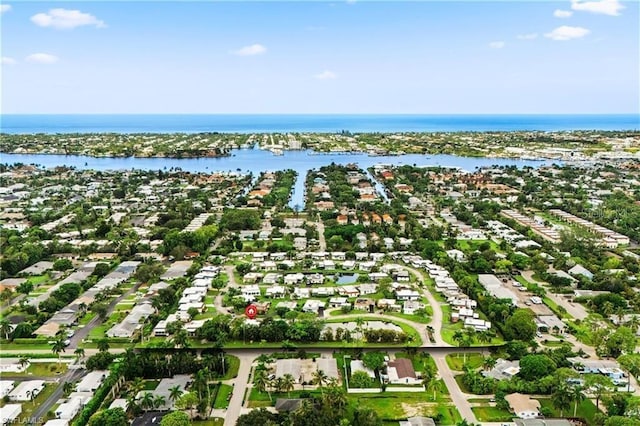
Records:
x=437, y=318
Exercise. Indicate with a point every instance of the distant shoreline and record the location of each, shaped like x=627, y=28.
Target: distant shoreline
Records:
x=310, y=123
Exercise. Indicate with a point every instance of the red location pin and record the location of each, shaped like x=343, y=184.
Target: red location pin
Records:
x=251, y=311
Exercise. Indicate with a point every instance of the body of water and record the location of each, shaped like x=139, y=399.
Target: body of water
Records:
x=325, y=123
x=257, y=160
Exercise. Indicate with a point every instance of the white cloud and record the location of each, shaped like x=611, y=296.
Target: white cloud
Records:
x=5, y=8
x=351, y=1
x=65, y=19
x=531, y=36
x=562, y=13
x=601, y=7
x=496, y=44
x=254, y=49
x=326, y=75
x=8, y=61
x=42, y=58
x=564, y=33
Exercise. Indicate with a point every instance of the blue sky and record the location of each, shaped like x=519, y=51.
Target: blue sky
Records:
x=577, y=56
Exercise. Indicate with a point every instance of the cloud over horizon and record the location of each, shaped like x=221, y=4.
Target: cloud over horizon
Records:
x=562, y=13
x=497, y=44
x=5, y=8
x=252, y=50
x=65, y=19
x=42, y=58
x=531, y=36
x=565, y=33
x=326, y=75
x=8, y=61
x=600, y=7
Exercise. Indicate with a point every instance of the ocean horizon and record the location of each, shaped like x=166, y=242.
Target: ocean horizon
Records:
x=311, y=123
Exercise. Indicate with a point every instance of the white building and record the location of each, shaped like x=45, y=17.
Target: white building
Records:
x=6, y=386
x=92, y=381
x=69, y=409
x=27, y=390
x=9, y=413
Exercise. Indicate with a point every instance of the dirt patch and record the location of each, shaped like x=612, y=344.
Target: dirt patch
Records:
x=419, y=409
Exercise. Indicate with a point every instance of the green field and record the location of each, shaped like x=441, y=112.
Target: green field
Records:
x=222, y=397
x=457, y=361
x=492, y=414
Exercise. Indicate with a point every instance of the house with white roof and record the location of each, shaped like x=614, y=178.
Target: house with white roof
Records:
x=26, y=390
x=92, y=381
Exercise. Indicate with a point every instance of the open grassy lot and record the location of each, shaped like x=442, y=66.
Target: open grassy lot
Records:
x=492, y=414
x=586, y=409
x=393, y=407
x=457, y=361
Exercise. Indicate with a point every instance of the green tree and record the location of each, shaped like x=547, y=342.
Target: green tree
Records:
x=320, y=379
x=520, y=326
x=374, y=360
x=599, y=385
x=176, y=418
x=62, y=264
x=187, y=401
x=360, y=379
x=103, y=345
x=5, y=328
x=561, y=398
x=174, y=393
x=578, y=396
x=58, y=347
x=109, y=417
x=533, y=367
x=366, y=417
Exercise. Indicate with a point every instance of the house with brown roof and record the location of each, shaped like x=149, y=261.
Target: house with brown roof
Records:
x=400, y=372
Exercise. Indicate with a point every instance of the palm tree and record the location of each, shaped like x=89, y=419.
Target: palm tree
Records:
x=431, y=384
x=67, y=387
x=181, y=338
x=137, y=385
x=174, y=393
x=103, y=345
x=462, y=338
x=79, y=352
x=261, y=381
x=58, y=347
x=561, y=398
x=5, y=328
x=158, y=401
x=147, y=402
x=320, y=379
x=287, y=383
x=577, y=396
x=23, y=361
x=488, y=363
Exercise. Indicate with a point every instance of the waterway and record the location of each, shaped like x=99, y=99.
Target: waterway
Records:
x=258, y=160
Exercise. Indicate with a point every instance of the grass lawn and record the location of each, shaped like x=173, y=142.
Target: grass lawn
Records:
x=150, y=385
x=44, y=369
x=86, y=318
x=492, y=414
x=586, y=409
x=234, y=365
x=261, y=399
x=394, y=406
x=456, y=362
x=414, y=318
x=26, y=347
x=38, y=279
x=29, y=406
x=215, y=421
x=99, y=331
x=223, y=396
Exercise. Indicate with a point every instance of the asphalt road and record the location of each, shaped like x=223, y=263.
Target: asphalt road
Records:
x=43, y=409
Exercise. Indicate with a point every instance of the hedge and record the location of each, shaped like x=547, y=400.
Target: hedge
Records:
x=98, y=397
